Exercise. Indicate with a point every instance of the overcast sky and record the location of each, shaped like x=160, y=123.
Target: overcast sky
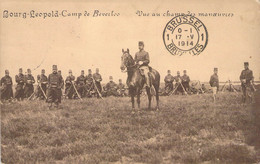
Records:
x=80, y=44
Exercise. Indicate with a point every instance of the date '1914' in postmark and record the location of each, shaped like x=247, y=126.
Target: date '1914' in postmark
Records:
x=185, y=34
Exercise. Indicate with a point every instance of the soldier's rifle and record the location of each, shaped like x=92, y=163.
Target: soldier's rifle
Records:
x=97, y=89
x=76, y=91
x=39, y=84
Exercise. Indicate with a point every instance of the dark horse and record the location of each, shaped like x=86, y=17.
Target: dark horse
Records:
x=136, y=81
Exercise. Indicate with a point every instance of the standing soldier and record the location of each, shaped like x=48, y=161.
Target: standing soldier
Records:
x=69, y=89
x=62, y=86
x=89, y=83
x=178, y=83
x=29, y=81
x=54, y=86
x=168, y=82
x=142, y=59
x=121, y=88
x=19, y=93
x=42, y=81
x=81, y=82
x=98, y=78
x=214, y=83
x=6, y=84
x=111, y=87
x=185, y=81
x=246, y=79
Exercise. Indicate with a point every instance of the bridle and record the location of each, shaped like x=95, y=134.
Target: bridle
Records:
x=128, y=66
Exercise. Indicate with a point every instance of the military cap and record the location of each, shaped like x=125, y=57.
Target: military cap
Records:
x=89, y=70
x=215, y=69
x=28, y=70
x=184, y=71
x=246, y=63
x=6, y=71
x=120, y=79
x=110, y=77
x=20, y=69
x=169, y=71
x=59, y=70
x=178, y=72
x=97, y=69
x=70, y=71
x=54, y=67
x=141, y=43
x=82, y=70
x=43, y=70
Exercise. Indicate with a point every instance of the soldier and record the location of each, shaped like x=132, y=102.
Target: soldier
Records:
x=69, y=89
x=19, y=93
x=142, y=59
x=178, y=83
x=6, y=84
x=246, y=79
x=81, y=82
x=214, y=83
x=29, y=81
x=42, y=81
x=168, y=82
x=54, y=86
x=62, y=86
x=89, y=83
x=111, y=87
x=121, y=88
x=185, y=80
x=98, y=78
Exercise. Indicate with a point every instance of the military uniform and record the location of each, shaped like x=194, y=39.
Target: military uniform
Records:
x=81, y=82
x=42, y=81
x=168, y=83
x=6, y=84
x=121, y=89
x=62, y=87
x=89, y=85
x=19, y=93
x=111, y=89
x=29, y=88
x=246, y=78
x=69, y=89
x=54, y=86
x=143, y=56
x=214, y=83
x=185, y=80
x=98, y=78
x=178, y=80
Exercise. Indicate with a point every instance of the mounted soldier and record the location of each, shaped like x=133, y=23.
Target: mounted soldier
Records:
x=142, y=59
x=29, y=81
x=19, y=93
x=69, y=89
x=6, y=89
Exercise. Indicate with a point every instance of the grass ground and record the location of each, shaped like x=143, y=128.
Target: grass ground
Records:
x=187, y=129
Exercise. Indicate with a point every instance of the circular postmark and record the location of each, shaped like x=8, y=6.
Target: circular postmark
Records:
x=185, y=34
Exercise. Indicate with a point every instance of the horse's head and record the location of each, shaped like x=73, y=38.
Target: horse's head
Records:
x=126, y=60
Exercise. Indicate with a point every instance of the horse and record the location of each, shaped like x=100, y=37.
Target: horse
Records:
x=136, y=81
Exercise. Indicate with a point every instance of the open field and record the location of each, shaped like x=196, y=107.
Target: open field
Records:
x=187, y=129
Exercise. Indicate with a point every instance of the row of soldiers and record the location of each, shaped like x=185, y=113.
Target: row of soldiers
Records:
x=52, y=86
x=181, y=83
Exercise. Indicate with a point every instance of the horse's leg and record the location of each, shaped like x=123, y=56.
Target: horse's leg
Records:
x=157, y=96
x=133, y=102
x=138, y=99
x=149, y=97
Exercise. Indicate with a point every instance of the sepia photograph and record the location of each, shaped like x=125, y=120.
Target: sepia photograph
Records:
x=112, y=81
